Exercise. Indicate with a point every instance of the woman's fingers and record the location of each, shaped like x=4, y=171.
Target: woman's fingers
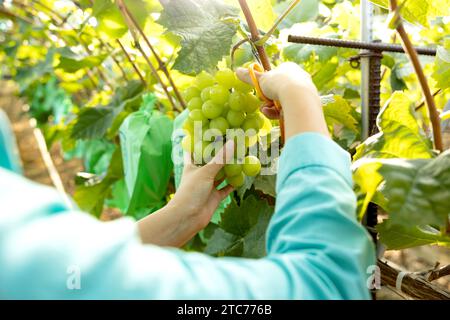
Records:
x=225, y=192
x=244, y=75
x=270, y=111
x=187, y=161
x=221, y=158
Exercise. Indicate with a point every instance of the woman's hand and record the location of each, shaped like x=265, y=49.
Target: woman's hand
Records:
x=193, y=205
x=298, y=95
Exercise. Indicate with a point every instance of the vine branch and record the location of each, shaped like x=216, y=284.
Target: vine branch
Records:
x=413, y=285
x=255, y=37
x=269, y=33
x=132, y=23
x=132, y=63
x=414, y=58
x=13, y=16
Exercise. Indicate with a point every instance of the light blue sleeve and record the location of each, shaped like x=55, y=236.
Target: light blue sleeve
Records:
x=316, y=249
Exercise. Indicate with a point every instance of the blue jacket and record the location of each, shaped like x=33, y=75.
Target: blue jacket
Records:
x=316, y=248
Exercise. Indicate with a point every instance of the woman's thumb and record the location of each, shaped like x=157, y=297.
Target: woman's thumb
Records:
x=244, y=75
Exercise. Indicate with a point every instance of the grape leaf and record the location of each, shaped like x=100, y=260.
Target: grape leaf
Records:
x=325, y=74
x=442, y=66
x=110, y=20
x=397, y=237
x=205, y=33
x=93, y=123
x=242, y=229
x=262, y=12
x=366, y=179
x=72, y=64
x=91, y=198
x=420, y=11
x=417, y=191
x=400, y=135
x=306, y=10
x=266, y=184
x=339, y=112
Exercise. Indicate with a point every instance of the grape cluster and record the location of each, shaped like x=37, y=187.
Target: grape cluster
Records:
x=222, y=107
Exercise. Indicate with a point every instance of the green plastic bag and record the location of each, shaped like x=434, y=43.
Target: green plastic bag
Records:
x=177, y=155
x=145, y=139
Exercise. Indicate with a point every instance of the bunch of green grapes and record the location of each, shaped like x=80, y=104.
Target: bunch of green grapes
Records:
x=222, y=103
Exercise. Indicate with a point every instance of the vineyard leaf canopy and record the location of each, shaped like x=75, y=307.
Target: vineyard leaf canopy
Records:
x=242, y=229
x=91, y=198
x=420, y=11
x=418, y=191
x=306, y=10
x=397, y=237
x=93, y=123
x=110, y=20
x=400, y=134
x=71, y=63
x=262, y=12
x=204, y=29
x=442, y=67
x=367, y=179
x=339, y=112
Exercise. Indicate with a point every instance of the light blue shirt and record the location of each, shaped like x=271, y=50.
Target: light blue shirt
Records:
x=316, y=248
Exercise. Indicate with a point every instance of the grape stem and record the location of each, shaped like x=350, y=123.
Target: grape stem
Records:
x=132, y=63
x=132, y=26
x=414, y=58
x=269, y=33
x=132, y=23
x=255, y=35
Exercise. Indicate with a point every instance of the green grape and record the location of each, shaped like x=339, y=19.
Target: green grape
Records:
x=187, y=143
x=197, y=115
x=189, y=125
x=235, y=118
x=236, y=101
x=252, y=103
x=232, y=169
x=199, y=148
x=204, y=80
x=242, y=86
x=195, y=103
x=190, y=93
x=258, y=116
x=206, y=94
x=250, y=141
x=219, y=94
x=220, y=124
x=220, y=175
x=236, y=181
x=211, y=110
x=251, y=124
x=251, y=166
x=226, y=109
x=226, y=78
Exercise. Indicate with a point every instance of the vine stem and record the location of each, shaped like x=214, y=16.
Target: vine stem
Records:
x=414, y=58
x=255, y=35
x=132, y=63
x=161, y=65
x=254, y=32
x=12, y=15
x=129, y=21
x=278, y=21
x=111, y=53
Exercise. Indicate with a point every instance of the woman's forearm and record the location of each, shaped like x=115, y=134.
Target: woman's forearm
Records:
x=167, y=227
x=302, y=111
